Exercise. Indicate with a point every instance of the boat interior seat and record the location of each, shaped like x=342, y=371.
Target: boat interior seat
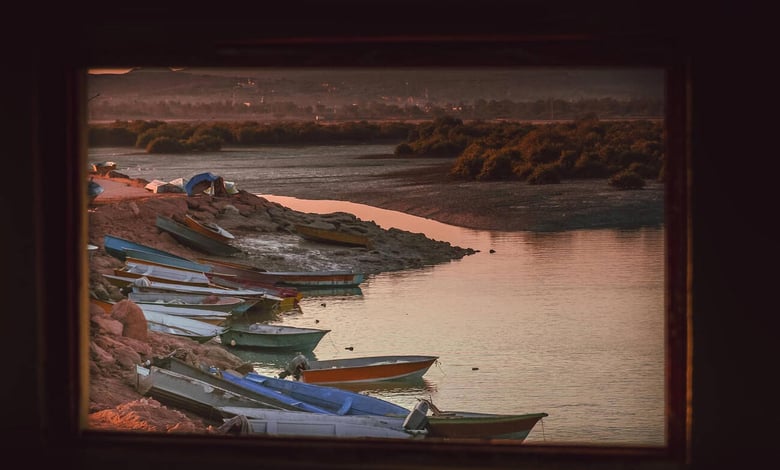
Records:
x=345, y=407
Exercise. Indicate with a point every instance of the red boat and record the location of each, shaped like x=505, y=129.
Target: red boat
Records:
x=359, y=369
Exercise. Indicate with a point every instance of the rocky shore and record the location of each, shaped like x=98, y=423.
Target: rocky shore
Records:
x=265, y=233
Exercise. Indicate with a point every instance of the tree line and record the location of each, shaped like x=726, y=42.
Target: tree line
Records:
x=626, y=152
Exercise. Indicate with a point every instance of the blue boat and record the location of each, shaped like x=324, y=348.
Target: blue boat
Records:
x=93, y=190
x=339, y=401
x=117, y=247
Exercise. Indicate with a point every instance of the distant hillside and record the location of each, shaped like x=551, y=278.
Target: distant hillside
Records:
x=330, y=89
x=346, y=85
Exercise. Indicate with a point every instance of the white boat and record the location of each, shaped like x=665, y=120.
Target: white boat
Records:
x=301, y=423
x=163, y=273
x=214, y=317
x=223, y=303
x=181, y=326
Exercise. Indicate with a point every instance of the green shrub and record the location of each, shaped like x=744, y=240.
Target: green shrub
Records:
x=545, y=174
x=627, y=179
x=165, y=145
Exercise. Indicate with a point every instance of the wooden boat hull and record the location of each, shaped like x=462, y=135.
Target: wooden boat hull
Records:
x=332, y=236
x=366, y=369
x=210, y=230
x=276, y=337
x=344, y=402
x=467, y=425
x=193, y=239
x=225, y=303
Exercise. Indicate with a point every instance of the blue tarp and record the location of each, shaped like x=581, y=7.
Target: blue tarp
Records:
x=201, y=182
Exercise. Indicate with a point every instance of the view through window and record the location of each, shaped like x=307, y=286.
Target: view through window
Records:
x=507, y=225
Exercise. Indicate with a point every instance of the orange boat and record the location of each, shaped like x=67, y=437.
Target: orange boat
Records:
x=359, y=369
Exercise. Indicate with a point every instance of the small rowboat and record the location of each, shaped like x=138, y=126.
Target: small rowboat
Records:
x=209, y=229
x=163, y=274
x=471, y=425
x=332, y=236
x=300, y=423
x=194, y=239
x=224, y=303
x=176, y=325
x=262, y=336
x=360, y=369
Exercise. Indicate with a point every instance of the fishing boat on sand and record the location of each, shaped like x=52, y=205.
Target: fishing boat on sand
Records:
x=338, y=401
x=223, y=303
x=116, y=246
x=337, y=237
x=187, y=236
x=178, y=325
x=209, y=229
x=297, y=423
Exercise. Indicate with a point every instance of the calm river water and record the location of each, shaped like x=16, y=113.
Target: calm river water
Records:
x=567, y=323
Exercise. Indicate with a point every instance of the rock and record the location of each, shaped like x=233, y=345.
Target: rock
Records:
x=132, y=318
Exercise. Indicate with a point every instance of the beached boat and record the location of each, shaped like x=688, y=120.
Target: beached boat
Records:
x=163, y=274
x=264, y=301
x=297, y=423
x=193, y=239
x=93, y=191
x=209, y=229
x=359, y=369
x=180, y=326
x=290, y=296
x=104, y=305
x=208, y=183
x=332, y=236
x=342, y=402
x=297, y=279
x=214, y=317
x=148, y=257
x=278, y=337
x=216, y=378
x=472, y=425
x=222, y=303
x=195, y=392
x=103, y=168
x=116, y=246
